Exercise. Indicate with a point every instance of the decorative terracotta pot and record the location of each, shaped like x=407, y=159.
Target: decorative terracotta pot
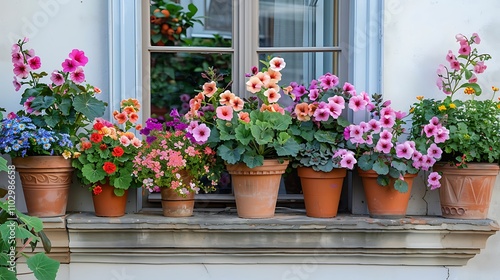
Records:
x=465, y=193
x=256, y=189
x=385, y=201
x=107, y=204
x=175, y=205
x=46, y=181
x=321, y=191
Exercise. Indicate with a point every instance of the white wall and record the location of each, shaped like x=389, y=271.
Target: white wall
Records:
x=417, y=35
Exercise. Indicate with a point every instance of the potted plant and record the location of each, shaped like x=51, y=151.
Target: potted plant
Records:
x=63, y=106
x=176, y=163
x=387, y=163
x=3, y=162
x=104, y=159
x=253, y=136
x=318, y=126
x=471, y=155
x=47, y=179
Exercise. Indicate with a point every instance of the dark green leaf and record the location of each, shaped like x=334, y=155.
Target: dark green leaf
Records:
x=89, y=106
x=43, y=267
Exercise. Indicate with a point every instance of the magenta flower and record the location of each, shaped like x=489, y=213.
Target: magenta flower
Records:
x=348, y=161
x=78, y=57
x=21, y=70
x=77, y=76
x=357, y=103
x=17, y=58
x=69, y=65
x=328, y=81
x=201, y=133
x=384, y=146
x=387, y=121
x=386, y=135
x=57, y=78
x=464, y=49
x=349, y=88
x=35, y=63
x=313, y=94
x=434, y=151
x=404, y=150
x=455, y=65
x=192, y=125
x=433, y=180
x=17, y=85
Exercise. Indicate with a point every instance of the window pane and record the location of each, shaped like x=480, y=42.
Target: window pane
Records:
x=190, y=22
x=176, y=76
x=297, y=23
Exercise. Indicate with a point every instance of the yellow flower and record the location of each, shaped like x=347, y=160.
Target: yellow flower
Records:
x=469, y=90
x=498, y=106
x=412, y=109
x=420, y=97
x=76, y=154
x=453, y=106
x=442, y=108
x=66, y=154
x=494, y=88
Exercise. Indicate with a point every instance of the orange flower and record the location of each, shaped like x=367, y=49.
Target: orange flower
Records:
x=86, y=145
x=130, y=135
x=129, y=110
x=133, y=117
x=302, y=111
x=272, y=108
x=274, y=75
x=263, y=77
x=237, y=104
x=209, y=88
x=272, y=95
x=121, y=118
x=138, y=127
x=244, y=117
x=226, y=97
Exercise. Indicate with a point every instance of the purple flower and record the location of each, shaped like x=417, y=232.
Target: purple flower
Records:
x=174, y=114
x=150, y=139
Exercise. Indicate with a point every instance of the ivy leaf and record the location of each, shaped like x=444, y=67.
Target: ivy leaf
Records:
x=43, y=267
x=89, y=106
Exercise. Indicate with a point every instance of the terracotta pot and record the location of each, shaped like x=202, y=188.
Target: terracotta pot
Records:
x=321, y=191
x=385, y=201
x=175, y=205
x=46, y=181
x=466, y=193
x=256, y=189
x=107, y=204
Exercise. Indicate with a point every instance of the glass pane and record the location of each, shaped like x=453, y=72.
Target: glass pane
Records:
x=176, y=76
x=297, y=23
x=191, y=23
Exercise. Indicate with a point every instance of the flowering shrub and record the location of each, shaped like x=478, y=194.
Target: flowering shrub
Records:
x=20, y=137
x=247, y=131
x=173, y=158
x=379, y=147
x=65, y=104
x=105, y=152
x=474, y=124
x=319, y=124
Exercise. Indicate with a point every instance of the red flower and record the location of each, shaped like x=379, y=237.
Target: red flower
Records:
x=96, y=137
x=97, y=190
x=86, y=145
x=98, y=126
x=103, y=147
x=109, y=167
x=117, y=151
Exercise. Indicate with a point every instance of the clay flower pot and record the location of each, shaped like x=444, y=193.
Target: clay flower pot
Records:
x=107, y=204
x=175, y=205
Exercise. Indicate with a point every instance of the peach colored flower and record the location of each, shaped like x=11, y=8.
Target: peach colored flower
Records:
x=129, y=110
x=138, y=127
x=124, y=140
x=237, y=103
x=274, y=75
x=273, y=85
x=225, y=113
x=226, y=97
x=254, y=84
x=121, y=118
x=263, y=77
x=136, y=142
x=272, y=95
x=302, y=111
x=209, y=88
x=244, y=117
x=130, y=135
x=133, y=117
x=272, y=108
x=277, y=64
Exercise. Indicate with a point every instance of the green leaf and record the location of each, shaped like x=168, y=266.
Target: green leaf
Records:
x=34, y=223
x=229, y=154
x=89, y=106
x=65, y=106
x=6, y=274
x=365, y=163
x=119, y=192
x=262, y=133
x=43, y=267
x=343, y=121
x=289, y=148
x=123, y=182
x=401, y=186
x=380, y=167
x=326, y=137
x=253, y=160
x=383, y=180
x=243, y=134
x=3, y=164
x=401, y=166
x=93, y=174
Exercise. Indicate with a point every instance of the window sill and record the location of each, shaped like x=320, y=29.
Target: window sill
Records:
x=218, y=236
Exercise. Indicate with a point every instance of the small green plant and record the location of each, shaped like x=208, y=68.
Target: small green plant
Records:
x=15, y=226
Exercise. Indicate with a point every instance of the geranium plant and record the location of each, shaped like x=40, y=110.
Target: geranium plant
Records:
x=65, y=103
x=471, y=117
x=246, y=131
x=20, y=137
x=172, y=158
x=318, y=114
x=381, y=147
x=105, y=152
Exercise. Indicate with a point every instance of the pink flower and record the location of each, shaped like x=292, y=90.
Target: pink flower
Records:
x=78, y=57
x=334, y=109
x=321, y=114
x=313, y=94
x=328, y=81
x=476, y=38
x=464, y=49
x=387, y=121
x=357, y=103
x=450, y=56
x=69, y=65
x=441, y=71
x=17, y=85
x=15, y=49
x=479, y=67
x=349, y=88
x=21, y=70
x=374, y=125
x=192, y=125
x=125, y=141
x=404, y=150
x=201, y=133
x=77, y=76
x=337, y=99
x=224, y=112
x=386, y=135
x=348, y=161
x=473, y=79
x=57, y=78
x=433, y=180
x=272, y=95
x=254, y=84
x=384, y=146
x=35, y=62
x=136, y=142
x=442, y=135
x=355, y=132
x=17, y=57
x=455, y=65
x=277, y=64
x=209, y=88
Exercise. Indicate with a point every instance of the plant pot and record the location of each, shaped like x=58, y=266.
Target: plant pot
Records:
x=385, y=201
x=46, y=181
x=465, y=193
x=175, y=205
x=107, y=204
x=321, y=191
x=256, y=189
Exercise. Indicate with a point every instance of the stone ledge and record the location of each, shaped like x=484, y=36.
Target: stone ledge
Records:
x=219, y=236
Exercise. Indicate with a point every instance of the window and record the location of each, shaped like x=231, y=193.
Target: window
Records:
x=232, y=36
